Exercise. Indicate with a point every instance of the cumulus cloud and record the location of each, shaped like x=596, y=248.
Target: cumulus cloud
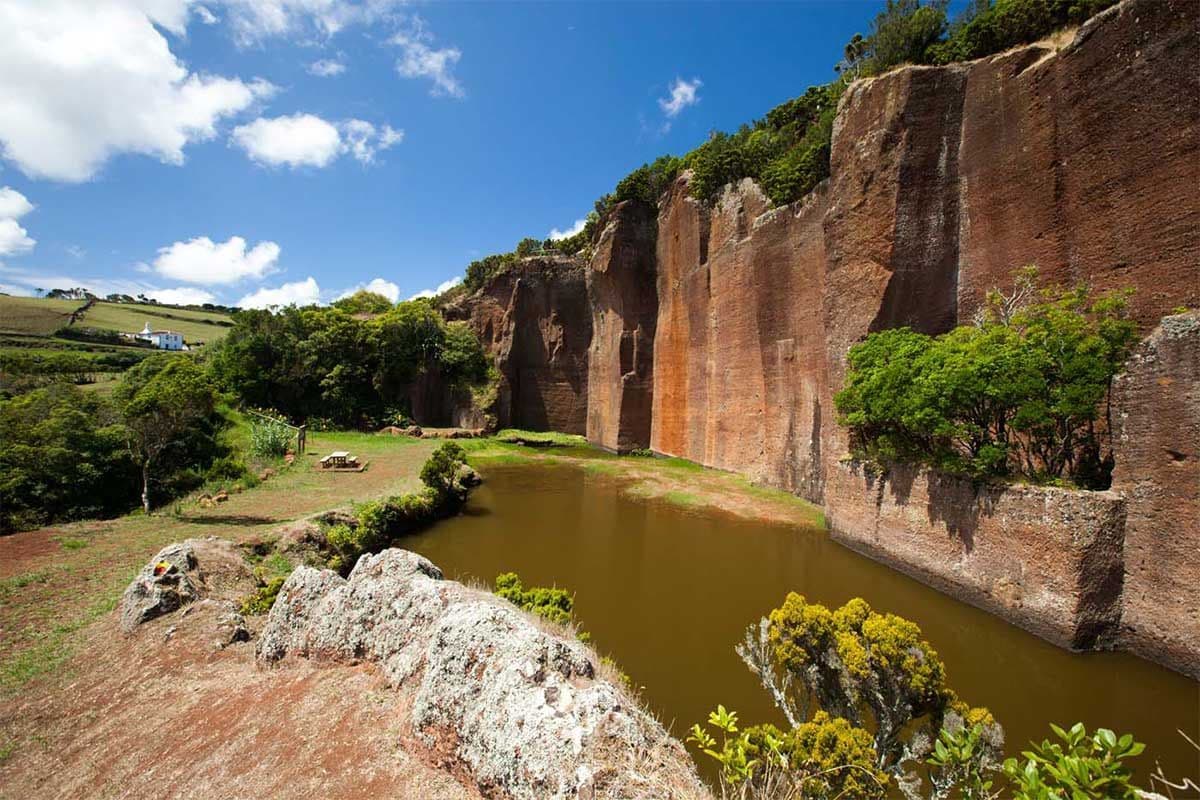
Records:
x=300, y=293
x=82, y=82
x=182, y=296
x=326, y=68
x=297, y=140
x=556, y=234
x=442, y=287
x=377, y=285
x=420, y=59
x=203, y=261
x=14, y=239
x=683, y=95
x=306, y=140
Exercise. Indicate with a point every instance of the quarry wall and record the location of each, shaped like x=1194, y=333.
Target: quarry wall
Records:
x=719, y=333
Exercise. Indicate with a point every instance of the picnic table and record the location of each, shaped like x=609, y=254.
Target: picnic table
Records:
x=339, y=459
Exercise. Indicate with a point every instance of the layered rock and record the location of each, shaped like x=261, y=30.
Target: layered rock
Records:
x=534, y=319
x=1047, y=559
x=517, y=707
x=1157, y=442
x=623, y=295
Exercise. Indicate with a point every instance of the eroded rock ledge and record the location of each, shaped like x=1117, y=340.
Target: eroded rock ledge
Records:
x=515, y=706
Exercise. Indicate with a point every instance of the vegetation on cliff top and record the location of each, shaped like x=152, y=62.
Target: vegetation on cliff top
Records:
x=787, y=151
x=1020, y=393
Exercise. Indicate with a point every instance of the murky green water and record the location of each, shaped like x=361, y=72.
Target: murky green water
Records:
x=668, y=591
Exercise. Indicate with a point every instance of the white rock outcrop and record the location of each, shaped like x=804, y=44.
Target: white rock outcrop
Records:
x=517, y=706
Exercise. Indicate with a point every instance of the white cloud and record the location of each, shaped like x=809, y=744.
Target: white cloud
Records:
x=206, y=16
x=683, y=94
x=14, y=239
x=377, y=285
x=203, y=261
x=81, y=82
x=255, y=20
x=362, y=139
x=420, y=59
x=182, y=296
x=442, y=287
x=306, y=140
x=300, y=293
x=298, y=140
x=326, y=68
x=569, y=232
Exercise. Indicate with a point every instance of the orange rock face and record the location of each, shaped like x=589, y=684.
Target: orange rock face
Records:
x=624, y=305
x=740, y=378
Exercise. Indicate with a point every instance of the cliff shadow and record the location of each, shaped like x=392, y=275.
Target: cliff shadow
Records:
x=959, y=504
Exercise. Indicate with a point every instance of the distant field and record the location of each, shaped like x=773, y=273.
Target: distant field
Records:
x=196, y=326
x=35, y=315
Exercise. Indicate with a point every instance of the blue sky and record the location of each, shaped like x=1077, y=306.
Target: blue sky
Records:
x=192, y=151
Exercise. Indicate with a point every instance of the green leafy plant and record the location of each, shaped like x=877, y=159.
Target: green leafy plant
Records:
x=553, y=604
x=1079, y=765
x=261, y=601
x=269, y=438
x=1017, y=393
x=962, y=764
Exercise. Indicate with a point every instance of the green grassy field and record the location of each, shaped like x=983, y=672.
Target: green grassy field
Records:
x=196, y=326
x=35, y=315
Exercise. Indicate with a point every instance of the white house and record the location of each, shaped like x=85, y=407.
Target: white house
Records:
x=163, y=340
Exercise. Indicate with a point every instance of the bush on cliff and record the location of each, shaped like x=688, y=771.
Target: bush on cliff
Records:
x=1020, y=393
x=986, y=28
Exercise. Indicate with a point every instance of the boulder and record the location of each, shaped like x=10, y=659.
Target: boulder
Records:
x=163, y=585
x=498, y=696
x=184, y=572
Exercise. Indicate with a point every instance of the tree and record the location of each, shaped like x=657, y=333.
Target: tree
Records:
x=1019, y=392
x=161, y=400
x=364, y=302
x=64, y=457
x=903, y=32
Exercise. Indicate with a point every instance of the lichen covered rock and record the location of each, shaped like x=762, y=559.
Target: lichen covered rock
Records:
x=163, y=585
x=495, y=695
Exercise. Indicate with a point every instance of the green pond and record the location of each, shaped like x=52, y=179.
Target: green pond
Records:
x=668, y=591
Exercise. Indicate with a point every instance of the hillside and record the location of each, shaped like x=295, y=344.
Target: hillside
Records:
x=197, y=327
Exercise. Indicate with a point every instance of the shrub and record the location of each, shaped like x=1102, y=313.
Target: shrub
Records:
x=826, y=757
x=553, y=604
x=440, y=471
x=1079, y=766
x=269, y=438
x=1018, y=393
x=987, y=28
x=261, y=601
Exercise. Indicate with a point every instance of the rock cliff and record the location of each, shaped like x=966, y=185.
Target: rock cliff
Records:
x=1080, y=155
x=535, y=321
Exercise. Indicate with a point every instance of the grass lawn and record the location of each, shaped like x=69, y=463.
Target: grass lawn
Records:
x=196, y=326
x=35, y=315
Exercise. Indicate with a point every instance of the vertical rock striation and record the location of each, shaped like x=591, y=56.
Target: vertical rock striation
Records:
x=1157, y=431
x=534, y=319
x=623, y=296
